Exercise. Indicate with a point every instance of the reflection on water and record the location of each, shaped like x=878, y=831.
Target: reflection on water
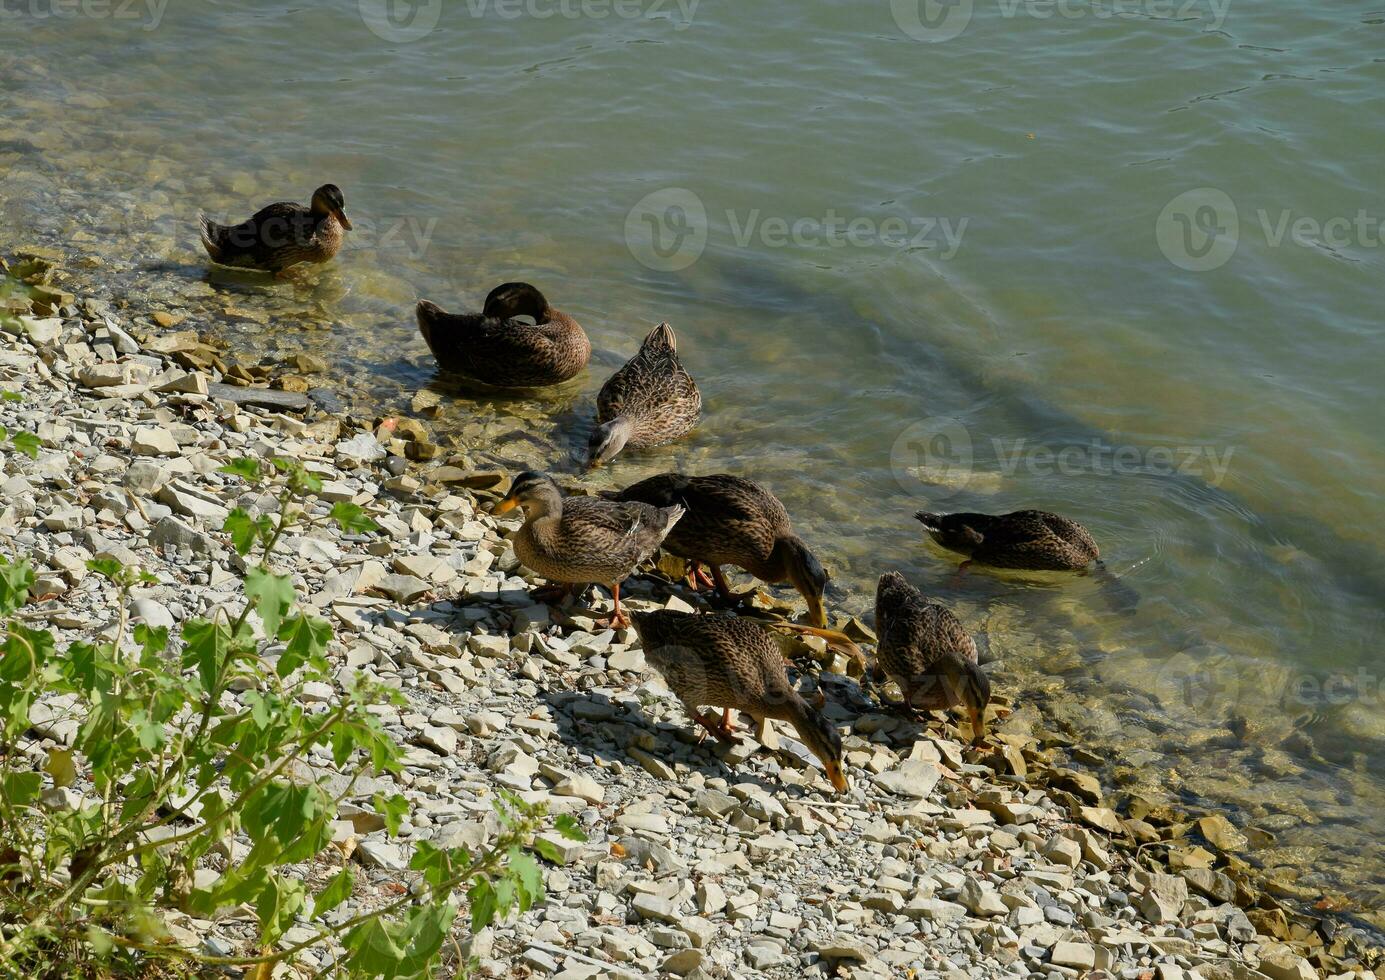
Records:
x=1218, y=431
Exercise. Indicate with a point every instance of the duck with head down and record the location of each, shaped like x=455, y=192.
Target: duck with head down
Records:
x=280, y=235
x=735, y=664
x=651, y=400
x=577, y=541
x=734, y=521
x=496, y=348
x=925, y=650
x=1027, y=539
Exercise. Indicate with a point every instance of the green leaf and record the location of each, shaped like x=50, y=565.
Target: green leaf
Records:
x=16, y=579
x=271, y=594
x=152, y=640
x=548, y=850
x=20, y=788
x=206, y=645
x=393, y=808
x=246, y=467
x=242, y=529
x=351, y=518
x=337, y=891
x=27, y=443
x=11, y=396
x=107, y=568
x=568, y=826
x=305, y=636
x=483, y=904
x=528, y=875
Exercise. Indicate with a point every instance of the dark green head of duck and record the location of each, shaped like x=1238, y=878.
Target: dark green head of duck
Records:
x=955, y=532
x=512, y=299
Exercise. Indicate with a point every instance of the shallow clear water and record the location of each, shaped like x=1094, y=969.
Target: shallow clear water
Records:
x=906, y=272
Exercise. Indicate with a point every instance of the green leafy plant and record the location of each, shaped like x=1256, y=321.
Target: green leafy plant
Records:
x=191, y=753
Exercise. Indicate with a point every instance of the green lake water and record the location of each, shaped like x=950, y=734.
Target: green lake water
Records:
x=1122, y=261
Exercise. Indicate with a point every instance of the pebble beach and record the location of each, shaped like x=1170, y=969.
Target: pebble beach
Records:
x=702, y=860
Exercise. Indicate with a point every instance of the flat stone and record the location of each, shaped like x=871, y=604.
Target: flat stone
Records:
x=1080, y=956
x=913, y=778
x=153, y=442
x=403, y=588
x=259, y=397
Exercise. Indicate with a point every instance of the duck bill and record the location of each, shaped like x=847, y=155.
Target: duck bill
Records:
x=341, y=216
x=505, y=506
x=817, y=615
x=836, y=777
x=978, y=726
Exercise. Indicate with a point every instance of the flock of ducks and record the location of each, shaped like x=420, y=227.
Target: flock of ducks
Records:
x=708, y=659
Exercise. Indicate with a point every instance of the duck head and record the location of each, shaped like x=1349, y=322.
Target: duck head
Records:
x=952, y=531
x=328, y=199
x=512, y=299
x=535, y=492
x=801, y=568
x=607, y=440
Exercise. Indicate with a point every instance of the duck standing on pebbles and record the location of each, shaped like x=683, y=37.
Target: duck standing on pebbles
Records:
x=579, y=541
x=1028, y=539
x=731, y=521
x=651, y=400
x=734, y=664
x=928, y=653
x=495, y=348
x=280, y=235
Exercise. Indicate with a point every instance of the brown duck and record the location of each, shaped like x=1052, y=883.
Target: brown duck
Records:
x=1029, y=539
x=734, y=664
x=496, y=348
x=925, y=650
x=732, y=521
x=582, y=540
x=651, y=400
x=280, y=235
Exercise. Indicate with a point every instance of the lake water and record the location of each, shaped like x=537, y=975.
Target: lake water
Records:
x=1118, y=260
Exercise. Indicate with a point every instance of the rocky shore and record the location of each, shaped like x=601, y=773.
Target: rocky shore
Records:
x=701, y=859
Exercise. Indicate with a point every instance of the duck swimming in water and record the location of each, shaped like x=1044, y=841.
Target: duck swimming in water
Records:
x=1029, y=539
x=648, y=402
x=496, y=348
x=280, y=235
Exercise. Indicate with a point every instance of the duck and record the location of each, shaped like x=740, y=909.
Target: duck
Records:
x=495, y=348
x=734, y=521
x=735, y=664
x=579, y=541
x=280, y=235
x=926, y=650
x=1027, y=539
x=650, y=401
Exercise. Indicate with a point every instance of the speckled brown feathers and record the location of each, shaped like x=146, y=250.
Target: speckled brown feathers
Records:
x=1029, y=539
x=733, y=663
x=926, y=651
x=280, y=235
x=651, y=400
x=495, y=348
x=733, y=521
